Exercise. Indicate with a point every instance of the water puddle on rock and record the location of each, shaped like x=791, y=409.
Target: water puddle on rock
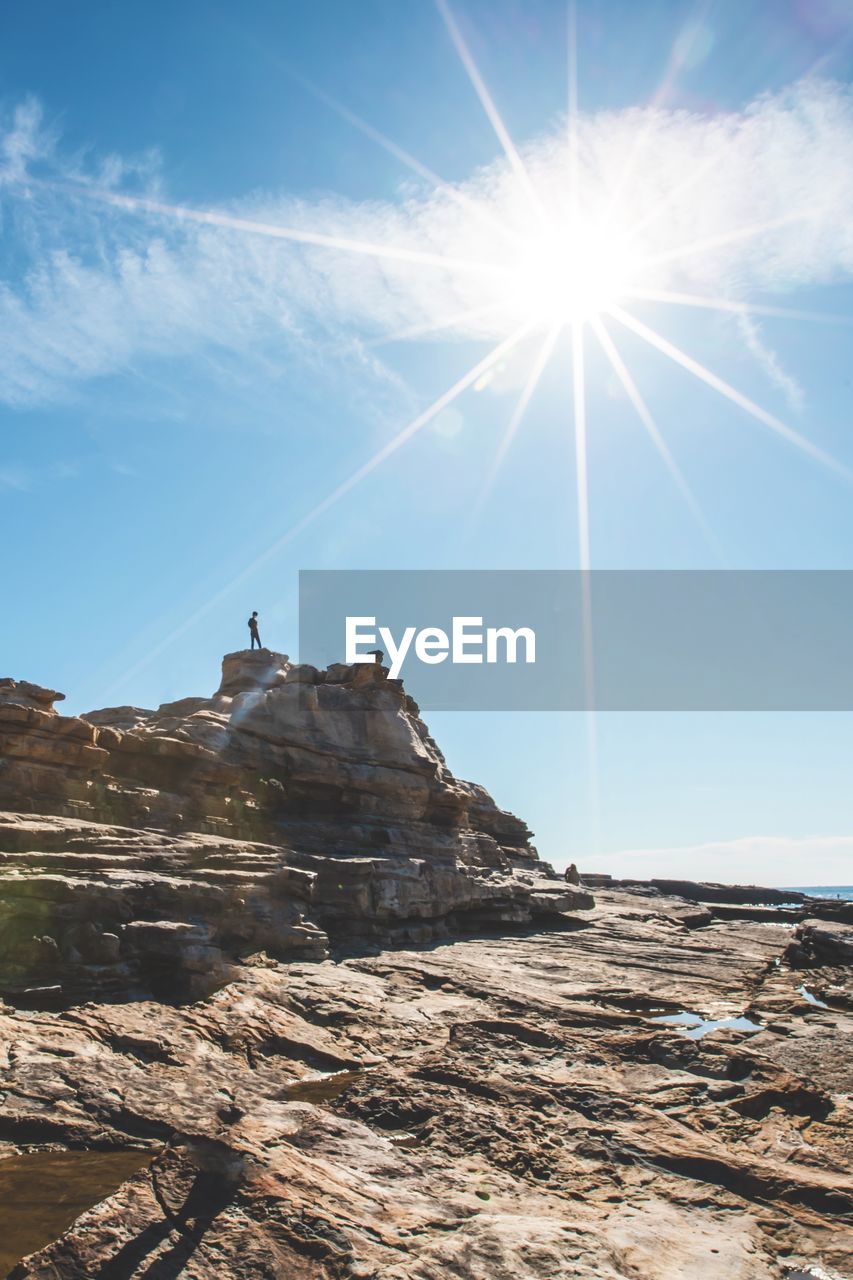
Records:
x=812, y=1273
x=807, y=995
x=41, y=1194
x=404, y=1139
x=694, y=1026
x=320, y=1088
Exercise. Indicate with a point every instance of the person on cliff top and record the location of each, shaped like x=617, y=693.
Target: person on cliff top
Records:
x=253, y=630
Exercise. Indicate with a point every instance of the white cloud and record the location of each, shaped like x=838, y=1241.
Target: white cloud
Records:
x=765, y=860
x=104, y=286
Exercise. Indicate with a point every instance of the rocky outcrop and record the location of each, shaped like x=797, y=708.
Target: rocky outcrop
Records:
x=20, y=693
x=97, y=911
x=706, y=891
x=736, y=901
x=340, y=755
x=143, y=852
x=822, y=942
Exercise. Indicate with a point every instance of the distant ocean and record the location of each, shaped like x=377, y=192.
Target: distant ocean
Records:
x=843, y=891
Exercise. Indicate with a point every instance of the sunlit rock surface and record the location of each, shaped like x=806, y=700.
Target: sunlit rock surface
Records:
x=142, y=852
x=359, y=1032
x=483, y=1109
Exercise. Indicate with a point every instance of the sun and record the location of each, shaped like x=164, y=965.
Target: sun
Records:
x=571, y=275
x=566, y=248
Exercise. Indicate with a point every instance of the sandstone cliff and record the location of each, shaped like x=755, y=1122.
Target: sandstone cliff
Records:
x=145, y=851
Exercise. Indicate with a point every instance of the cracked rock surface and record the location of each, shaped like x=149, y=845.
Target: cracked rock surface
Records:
x=489, y=1107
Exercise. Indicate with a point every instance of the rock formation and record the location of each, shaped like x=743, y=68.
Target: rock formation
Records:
x=310, y=1008
x=144, y=851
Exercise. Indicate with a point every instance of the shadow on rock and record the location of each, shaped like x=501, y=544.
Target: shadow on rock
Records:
x=208, y=1185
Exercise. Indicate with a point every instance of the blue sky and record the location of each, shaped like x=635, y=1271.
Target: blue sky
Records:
x=179, y=392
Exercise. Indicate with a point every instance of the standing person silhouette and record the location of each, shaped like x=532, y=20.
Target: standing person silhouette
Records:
x=253, y=630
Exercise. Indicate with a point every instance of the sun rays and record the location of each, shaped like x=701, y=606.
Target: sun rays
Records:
x=561, y=263
x=575, y=267
x=510, y=150
x=729, y=392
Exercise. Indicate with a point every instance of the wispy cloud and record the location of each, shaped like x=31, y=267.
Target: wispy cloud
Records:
x=767, y=860
x=24, y=139
x=15, y=478
x=753, y=338
x=753, y=202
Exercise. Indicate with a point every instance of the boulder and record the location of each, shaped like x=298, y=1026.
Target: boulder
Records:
x=252, y=669
x=23, y=694
x=822, y=942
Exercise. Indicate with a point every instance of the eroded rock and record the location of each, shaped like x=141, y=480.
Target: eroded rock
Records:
x=288, y=809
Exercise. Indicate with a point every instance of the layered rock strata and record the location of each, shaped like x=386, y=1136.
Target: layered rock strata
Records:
x=144, y=851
